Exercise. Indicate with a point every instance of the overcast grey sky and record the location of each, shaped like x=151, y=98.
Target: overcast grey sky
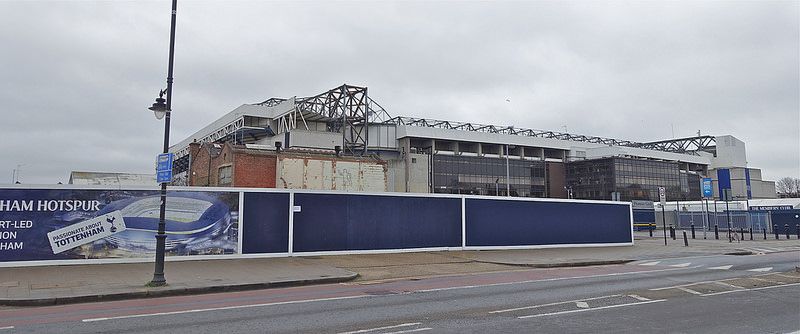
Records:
x=77, y=77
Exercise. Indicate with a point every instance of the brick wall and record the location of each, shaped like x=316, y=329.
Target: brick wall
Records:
x=248, y=168
x=254, y=170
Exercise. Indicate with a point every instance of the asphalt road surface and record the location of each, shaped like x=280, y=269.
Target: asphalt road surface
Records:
x=714, y=294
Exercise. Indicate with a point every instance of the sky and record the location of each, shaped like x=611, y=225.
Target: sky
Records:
x=76, y=77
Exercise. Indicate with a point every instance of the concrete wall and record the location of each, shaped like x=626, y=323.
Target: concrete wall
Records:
x=758, y=188
x=415, y=181
x=322, y=173
x=730, y=153
x=314, y=139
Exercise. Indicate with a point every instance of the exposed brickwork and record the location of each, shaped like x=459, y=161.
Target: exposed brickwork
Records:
x=254, y=170
x=247, y=169
x=252, y=167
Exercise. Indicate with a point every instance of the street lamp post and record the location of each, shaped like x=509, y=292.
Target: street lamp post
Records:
x=163, y=109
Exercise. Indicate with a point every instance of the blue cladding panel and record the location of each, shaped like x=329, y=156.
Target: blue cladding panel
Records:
x=747, y=181
x=519, y=223
x=266, y=223
x=342, y=222
x=723, y=181
x=644, y=216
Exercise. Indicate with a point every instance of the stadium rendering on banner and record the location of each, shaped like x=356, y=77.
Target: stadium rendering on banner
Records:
x=342, y=139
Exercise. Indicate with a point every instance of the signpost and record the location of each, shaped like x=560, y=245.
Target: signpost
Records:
x=727, y=194
x=164, y=168
x=708, y=191
x=662, y=197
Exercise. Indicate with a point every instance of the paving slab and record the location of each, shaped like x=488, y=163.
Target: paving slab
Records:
x=47, y=285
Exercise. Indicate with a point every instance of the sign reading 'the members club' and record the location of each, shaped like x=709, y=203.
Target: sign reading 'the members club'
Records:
x=86, y=231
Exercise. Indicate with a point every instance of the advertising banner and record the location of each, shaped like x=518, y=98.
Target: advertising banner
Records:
x=58, y=224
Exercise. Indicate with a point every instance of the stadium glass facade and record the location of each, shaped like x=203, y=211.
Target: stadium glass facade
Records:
x=454, y=174
x=633, y=179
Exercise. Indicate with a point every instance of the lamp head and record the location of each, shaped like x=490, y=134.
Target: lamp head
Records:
x=160, y=107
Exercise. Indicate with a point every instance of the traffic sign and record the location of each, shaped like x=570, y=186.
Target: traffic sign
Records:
x=662, y=195
x=164, y=176
x=164, y=162
x=708, y=189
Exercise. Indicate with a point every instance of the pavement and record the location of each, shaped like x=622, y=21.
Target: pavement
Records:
x=64, y=284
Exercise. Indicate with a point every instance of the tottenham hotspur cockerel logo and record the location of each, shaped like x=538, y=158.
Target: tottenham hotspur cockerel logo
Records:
x=110, y=220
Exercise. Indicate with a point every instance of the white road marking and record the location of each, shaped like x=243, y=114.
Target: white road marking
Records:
x=411, y=330
x=760, y=270
x=381, y=328
x=650, y=263
x=222, y=308
x=679, y=286
x=637, y=297
x=681, y=265
x=364, y=296
x=582, y=304
x=7, y=327
x=551, y=304
x=690, y=291
x=753, y=289
x=782, y=275
x=729, y=285
x=554, y=279
x=766, y=280
x=590, y=309
x=722, y=267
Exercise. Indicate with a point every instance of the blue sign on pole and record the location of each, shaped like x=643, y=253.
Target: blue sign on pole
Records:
x=164, y=168
x=164, y=162
x=164, y=176
x=708, y=190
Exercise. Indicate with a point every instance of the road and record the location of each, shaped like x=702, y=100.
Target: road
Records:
x=713, y=294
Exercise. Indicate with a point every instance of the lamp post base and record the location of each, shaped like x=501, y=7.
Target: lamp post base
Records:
x=158, y=274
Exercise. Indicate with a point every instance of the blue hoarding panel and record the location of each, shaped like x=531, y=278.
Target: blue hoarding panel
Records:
x=520, y=223
x=339, y=222
x=723, y=181
x=783, y=218
x=266, y=223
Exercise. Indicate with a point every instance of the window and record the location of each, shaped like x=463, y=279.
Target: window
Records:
x=225, y=173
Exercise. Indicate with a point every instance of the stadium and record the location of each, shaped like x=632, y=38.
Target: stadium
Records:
x=342, y=139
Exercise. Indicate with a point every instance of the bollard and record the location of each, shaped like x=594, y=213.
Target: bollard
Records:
x=651, y=228
x=716, y=231
x=692, y=231
x=797, y=226
x=751, y=234
x=786, y=229
x=765, y=233
x=672, y=232
x=775, y=230
x=685, y=240
x=741, y=231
